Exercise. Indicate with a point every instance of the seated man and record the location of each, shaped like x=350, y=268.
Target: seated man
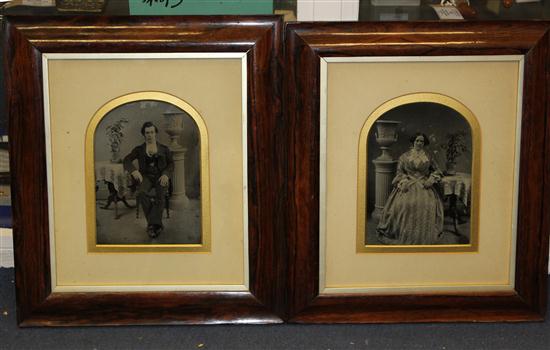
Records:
x=155, y=164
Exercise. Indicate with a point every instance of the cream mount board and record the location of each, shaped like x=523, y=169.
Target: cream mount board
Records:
x=353, y=87
x=79, y=79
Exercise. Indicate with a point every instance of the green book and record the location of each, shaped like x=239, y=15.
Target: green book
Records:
x=201, y=7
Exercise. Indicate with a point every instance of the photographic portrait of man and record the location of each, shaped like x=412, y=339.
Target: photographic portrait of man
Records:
x=155, y=164
x=147, y=167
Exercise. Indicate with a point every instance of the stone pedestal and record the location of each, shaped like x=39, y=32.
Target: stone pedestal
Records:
x=384, y=166
x=179, y=197
x=174, y=128
x=385, y=172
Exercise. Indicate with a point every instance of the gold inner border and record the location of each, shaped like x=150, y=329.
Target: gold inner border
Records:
x=205, y=245
x=361, y=244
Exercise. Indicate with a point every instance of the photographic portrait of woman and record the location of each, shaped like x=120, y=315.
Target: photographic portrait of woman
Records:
x=417, y=187
x=413, y=213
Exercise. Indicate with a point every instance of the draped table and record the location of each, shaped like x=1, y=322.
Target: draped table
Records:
x=117, y=180
x=456, y=188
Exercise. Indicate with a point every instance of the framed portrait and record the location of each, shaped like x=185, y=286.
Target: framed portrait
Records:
x=189, y=196
x=411, y=193
x=143, y=151
x=417, y=163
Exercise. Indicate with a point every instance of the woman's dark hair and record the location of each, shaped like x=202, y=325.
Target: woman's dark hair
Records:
x=147, y=125
x=426, y=139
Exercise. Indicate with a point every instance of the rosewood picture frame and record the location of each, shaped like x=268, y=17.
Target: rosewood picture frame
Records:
x=26, y=41
x=307, y=45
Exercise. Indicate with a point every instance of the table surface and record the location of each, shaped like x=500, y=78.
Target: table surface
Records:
x=113, y=173
x=459, y=185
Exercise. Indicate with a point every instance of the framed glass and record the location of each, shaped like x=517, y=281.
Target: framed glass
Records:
x=189, y=196
x=417, y=158
x=137, y=152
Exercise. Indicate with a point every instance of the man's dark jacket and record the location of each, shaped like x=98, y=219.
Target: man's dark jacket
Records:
x=165, y=162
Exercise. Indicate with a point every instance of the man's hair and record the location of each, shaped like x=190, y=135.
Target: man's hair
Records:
x=147, y=125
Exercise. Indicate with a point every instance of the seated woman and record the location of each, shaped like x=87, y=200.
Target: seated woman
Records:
x=413, y=214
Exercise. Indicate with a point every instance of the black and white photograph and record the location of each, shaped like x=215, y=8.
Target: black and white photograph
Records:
x=419, y=177
x=147, y=166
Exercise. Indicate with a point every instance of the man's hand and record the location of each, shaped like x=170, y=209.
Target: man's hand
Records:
x=163, y=180
x=137, y=176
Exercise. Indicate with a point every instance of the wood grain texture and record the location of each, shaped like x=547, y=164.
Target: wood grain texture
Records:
x=546, y=196
x=305, y=44
x=302, y=111
x=26, y=39
x=530, y=274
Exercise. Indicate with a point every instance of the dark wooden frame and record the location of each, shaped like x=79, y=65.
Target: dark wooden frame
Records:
x=26, y=39
x=305, y=45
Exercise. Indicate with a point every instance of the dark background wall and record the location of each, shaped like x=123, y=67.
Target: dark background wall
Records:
x=139, y=112
x=432, y=119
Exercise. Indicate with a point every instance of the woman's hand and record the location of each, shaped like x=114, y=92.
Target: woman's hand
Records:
x=429, y=182
x=403, y=185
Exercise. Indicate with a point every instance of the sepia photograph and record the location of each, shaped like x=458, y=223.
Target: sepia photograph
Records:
x=147, y=168
x=419, y=177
